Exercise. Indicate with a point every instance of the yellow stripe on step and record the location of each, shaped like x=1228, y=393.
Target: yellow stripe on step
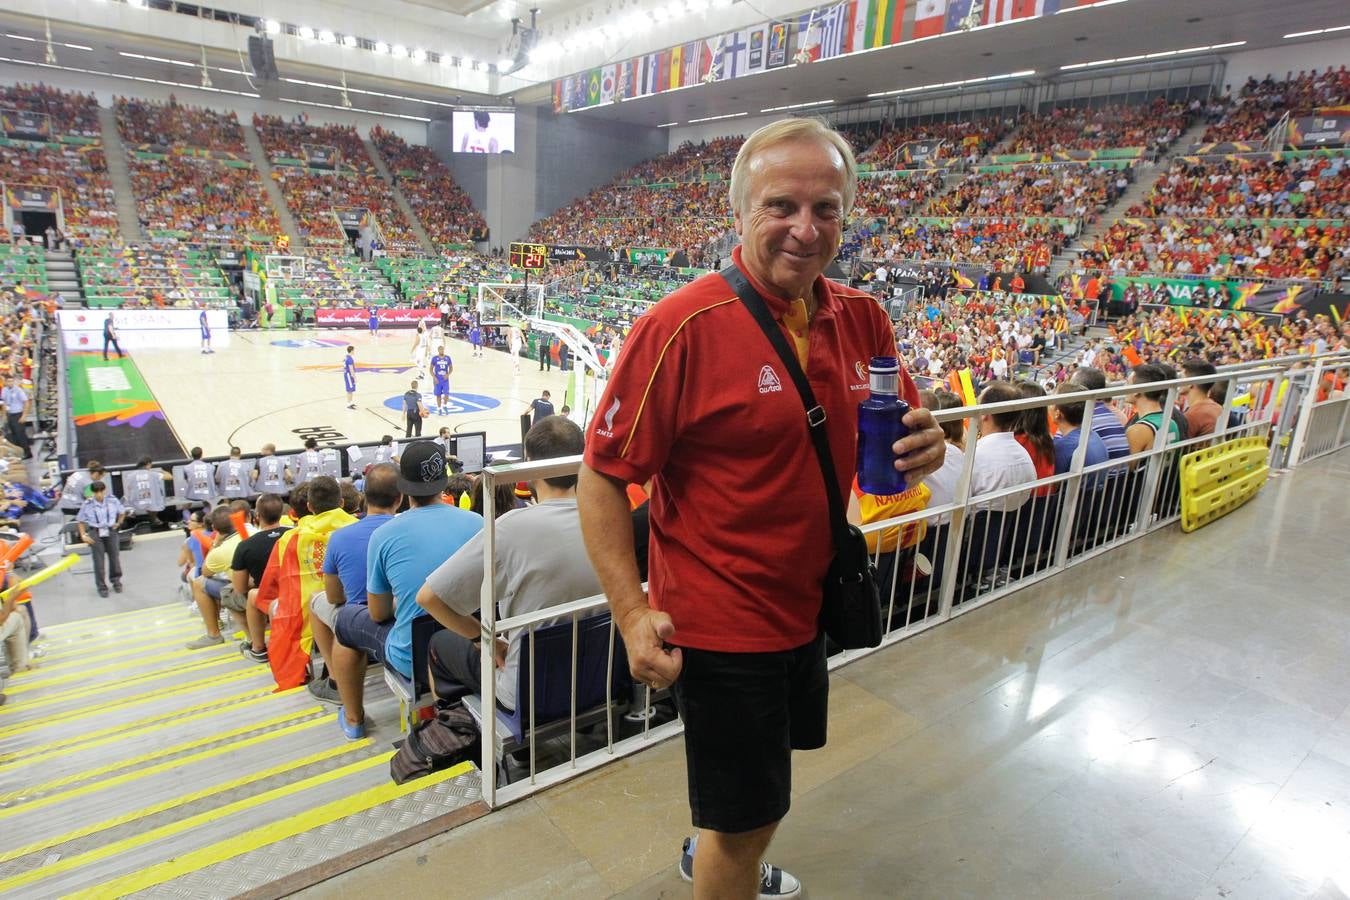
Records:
x=84, y=712
x=80, y=692
x=196, y=860
x=226, y=849
x=44, y=787
x=112, y=733
x=128, y=661
x=65, y=627
x=193, y=797
x=92, y=651
x=128, y=777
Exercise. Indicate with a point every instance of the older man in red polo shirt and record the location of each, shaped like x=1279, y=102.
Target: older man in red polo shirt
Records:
x=701, y=405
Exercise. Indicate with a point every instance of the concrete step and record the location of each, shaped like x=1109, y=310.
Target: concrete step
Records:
x=264, y=167
x=419, y=232
x=128, y=217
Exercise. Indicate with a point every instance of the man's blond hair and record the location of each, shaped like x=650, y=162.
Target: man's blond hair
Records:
x=786, y=131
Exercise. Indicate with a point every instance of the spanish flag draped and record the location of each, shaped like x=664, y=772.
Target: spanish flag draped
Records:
x=299, y=553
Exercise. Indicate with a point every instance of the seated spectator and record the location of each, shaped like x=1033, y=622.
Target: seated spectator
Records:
x=1068, y=418
x=1148, y=410
x=942, y=483
x=1202, y=413
x=400, y=556
x=1000, y=461
x=293, y=575
x=344, y=580
x=1033, y=433
x=215, y=575
x=541, y=562
x=246, y=572
x=14, y=636
x=1106, y=424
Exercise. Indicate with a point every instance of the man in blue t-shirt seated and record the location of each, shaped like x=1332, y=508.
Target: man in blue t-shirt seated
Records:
x=401, y=553
x=1068, y=418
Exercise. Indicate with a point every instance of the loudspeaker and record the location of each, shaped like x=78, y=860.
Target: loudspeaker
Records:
x=260, y=55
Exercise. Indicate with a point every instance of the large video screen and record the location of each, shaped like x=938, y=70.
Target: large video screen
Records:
x=483, y=131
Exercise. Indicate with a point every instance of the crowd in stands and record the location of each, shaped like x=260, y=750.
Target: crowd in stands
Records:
x=206, y=199
x=1153, y=126
x=1006, y=242
x=683, y=216
x=688, y=162
x=1260, y=105
x=79, y=172
x=442, y=207
x=891, y=196
x=968, y=139
x=1245, y=187
x=71, y=113
x=154, y=275
x=1065, y=189
x=175, y=125
x=1286, y=250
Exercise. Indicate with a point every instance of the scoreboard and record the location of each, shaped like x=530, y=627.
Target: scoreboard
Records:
x=531, y=257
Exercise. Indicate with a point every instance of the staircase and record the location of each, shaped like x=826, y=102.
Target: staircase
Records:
x=423, y=238
x=62, y=278
x=264, y=169
x=128, y=217
x=1146, y=176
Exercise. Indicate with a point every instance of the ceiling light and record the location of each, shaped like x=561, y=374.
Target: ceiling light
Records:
x=1024, y=73
x=327, y=37
x=473, y=63
x=715, y=118
x=158, y=59
x=1156, y=55
x=272, y=26
x=21, y=37
x=304, y=32
x=399, y=51
x=138, y=4
x=697, y=6
x=419, y=55
x=505, y=63
x=675, y=9
x=1299, y=34
x=381, y=47
x=1093, y=6
x=797, y=105
x=667, y=124
x=659, y=13
x=349, y=40
x=446, y=58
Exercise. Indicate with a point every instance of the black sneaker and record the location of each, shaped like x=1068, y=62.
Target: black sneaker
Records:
x=257, y=656
x=774, y=883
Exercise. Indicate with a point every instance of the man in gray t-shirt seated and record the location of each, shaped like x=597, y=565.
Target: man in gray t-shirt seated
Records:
x=541, y=562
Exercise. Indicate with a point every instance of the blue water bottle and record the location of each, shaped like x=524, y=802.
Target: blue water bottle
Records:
x=879, y=427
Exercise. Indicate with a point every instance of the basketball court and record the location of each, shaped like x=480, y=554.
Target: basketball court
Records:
x=281, y=387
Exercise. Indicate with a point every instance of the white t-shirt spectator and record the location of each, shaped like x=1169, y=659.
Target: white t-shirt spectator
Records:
x=1001, y=462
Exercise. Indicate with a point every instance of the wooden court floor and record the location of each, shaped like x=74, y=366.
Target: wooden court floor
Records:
x=282, y=386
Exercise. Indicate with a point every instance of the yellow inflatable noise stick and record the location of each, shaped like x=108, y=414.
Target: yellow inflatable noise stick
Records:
x=55, y=568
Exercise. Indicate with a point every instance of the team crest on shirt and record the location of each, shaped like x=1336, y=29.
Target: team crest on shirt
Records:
x=861, y=369
x=768, y=380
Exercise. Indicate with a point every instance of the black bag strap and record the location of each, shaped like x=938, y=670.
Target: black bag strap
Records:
x=815, y=413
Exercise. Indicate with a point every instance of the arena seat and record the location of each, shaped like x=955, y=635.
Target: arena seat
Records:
x=414, y=695
x=545, y=702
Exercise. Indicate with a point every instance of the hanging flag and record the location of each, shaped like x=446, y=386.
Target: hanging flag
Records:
x=996, y=11
x=693, y=70
x=857, y=39
x=754, y=59
x=735, y=50
x=607, y=79
x=649, y=70
x=557, y=97
x=710, y=58
x=885, y=19
x=958, y=14
x=663, y=67
x=826, y=33
x=1026, y=9
x=777, y=54
x=928, y=17
x=593, y=88
x=676, y=71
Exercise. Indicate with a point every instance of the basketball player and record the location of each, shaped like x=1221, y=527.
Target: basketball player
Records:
x=206, y=333
x=373, y=320
x=441, y=367
x=516, y=341
x=476, y=339
x=478, y=140
x=421, y=350
x=349, y=377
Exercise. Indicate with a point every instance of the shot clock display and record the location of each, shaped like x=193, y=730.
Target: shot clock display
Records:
x=531, y=257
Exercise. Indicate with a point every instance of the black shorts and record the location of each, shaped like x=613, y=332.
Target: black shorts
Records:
x=744, y=714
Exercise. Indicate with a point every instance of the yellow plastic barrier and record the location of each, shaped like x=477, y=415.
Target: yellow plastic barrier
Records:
x=1217, y=480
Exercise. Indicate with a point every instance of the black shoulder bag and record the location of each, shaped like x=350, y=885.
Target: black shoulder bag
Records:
x=850, y=611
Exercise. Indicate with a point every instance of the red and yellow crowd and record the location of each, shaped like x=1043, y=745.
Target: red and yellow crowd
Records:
x=975, y=137
x=1013, y=243
x=1153, y=126
x=1065, y=189
x=71, y=113
x=1292, y=250
x=1260, y=105
x=442, y=207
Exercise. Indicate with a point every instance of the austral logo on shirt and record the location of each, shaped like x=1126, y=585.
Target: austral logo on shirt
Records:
x=768, y=381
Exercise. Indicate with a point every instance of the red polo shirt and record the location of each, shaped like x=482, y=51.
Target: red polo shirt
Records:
x=699, y=401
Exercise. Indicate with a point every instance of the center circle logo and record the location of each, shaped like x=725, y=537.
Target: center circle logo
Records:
x=459, y=403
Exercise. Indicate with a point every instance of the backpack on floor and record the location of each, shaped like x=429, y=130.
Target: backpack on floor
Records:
x=436, y=744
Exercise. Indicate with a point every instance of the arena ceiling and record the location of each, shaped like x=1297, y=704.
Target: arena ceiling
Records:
x=1043, y=45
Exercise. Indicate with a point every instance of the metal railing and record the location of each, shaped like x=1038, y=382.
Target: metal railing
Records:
x=960, y=555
